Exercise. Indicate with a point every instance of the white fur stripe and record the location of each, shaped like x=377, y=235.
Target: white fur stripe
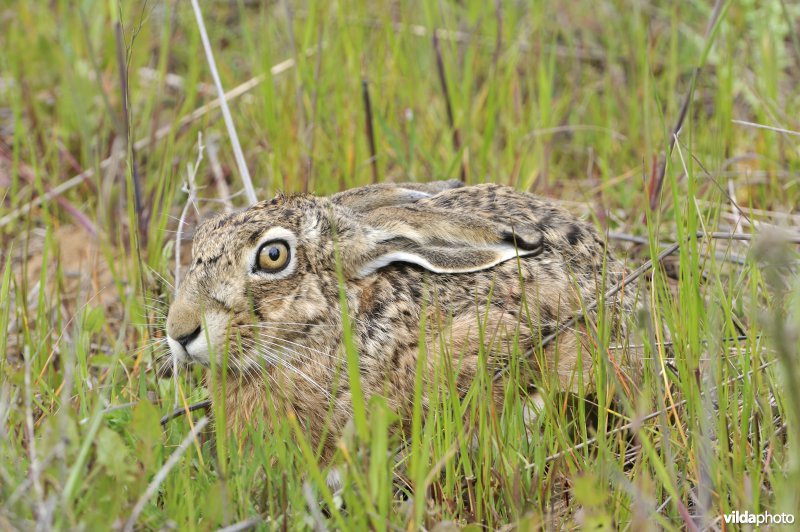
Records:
x=502, y=254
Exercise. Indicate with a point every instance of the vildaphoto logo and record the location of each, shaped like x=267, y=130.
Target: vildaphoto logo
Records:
x=763, y=518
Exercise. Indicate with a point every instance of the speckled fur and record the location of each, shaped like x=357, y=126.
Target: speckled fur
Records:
x=299, y=317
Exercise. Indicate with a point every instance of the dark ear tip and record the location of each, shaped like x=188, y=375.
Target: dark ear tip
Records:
x=524, y=242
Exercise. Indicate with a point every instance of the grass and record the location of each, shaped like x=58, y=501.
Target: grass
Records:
x=573, y=100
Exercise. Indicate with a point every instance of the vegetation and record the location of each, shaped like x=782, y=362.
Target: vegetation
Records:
x=573, y=100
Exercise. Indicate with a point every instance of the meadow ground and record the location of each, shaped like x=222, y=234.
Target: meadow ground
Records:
x=573, y=100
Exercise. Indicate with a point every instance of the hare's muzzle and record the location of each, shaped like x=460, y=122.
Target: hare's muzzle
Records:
x=185, y=333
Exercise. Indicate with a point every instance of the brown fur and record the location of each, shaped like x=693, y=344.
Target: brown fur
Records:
x=298, y=317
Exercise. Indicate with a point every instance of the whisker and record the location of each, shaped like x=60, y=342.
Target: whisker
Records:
x=262, y=335
x=272, y=323
x=254, y=370
x=153, y=305
x=152, y=298
x=157, y=321
x=160, y=276
x=155, y=343
x=289, y=329
x=157, y=317
x=158, y=310
x=307, y=348
x=272, y=356
x=279, y=358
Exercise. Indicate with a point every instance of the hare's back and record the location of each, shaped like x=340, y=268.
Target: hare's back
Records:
x=561, y=230
x=573, y=267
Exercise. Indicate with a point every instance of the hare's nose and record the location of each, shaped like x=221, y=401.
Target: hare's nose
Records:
x=187, y=338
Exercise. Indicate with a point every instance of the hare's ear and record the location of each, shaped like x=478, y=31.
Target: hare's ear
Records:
x=438, y=240
x=440, y=259
x=371, y=197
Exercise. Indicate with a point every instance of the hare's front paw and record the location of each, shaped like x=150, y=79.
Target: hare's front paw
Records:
x=334, y=481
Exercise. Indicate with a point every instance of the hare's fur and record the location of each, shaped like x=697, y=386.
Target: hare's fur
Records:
x=478, y=258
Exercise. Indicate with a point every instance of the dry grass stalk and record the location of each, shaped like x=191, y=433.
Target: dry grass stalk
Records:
x=244, y=173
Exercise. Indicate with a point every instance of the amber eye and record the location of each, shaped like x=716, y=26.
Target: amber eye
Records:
x=273, y=256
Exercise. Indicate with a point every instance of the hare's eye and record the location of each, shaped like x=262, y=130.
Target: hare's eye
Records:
x=273, y=256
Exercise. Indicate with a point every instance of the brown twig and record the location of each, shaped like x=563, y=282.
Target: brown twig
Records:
x=786, y=236
x=127, y=132
x=202, y=405
x=643, y=241
x=658, y=178
x=448, y=105
x=370, y=131
x=658, y=181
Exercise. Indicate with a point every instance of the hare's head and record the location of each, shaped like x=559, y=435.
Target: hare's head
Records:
x=264, y=280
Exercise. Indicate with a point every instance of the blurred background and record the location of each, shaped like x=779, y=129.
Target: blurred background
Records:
x=111, y=135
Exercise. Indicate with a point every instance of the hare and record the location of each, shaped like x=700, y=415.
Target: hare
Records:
x=264, y=287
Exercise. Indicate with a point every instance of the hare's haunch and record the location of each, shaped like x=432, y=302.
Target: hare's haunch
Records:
x=473, y=263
